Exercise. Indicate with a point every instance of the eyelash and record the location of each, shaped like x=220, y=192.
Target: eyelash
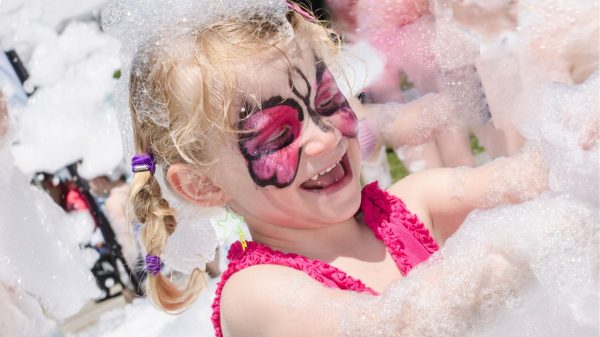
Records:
x=329, y=107
x=326, y=104
x=279, y=136
x=275, y=142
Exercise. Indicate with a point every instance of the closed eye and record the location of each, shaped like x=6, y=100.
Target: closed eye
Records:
x=330, y=105
x=326, y=104
x=277, y=139
x=274, y=138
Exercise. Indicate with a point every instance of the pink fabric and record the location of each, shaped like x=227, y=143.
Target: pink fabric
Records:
x=406, y=238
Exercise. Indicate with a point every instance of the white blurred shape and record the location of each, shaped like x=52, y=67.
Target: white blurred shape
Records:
x=360, y=64
x=70, y=117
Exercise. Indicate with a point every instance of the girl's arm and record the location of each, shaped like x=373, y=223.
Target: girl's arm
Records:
x=442, y=198
x=445, y=295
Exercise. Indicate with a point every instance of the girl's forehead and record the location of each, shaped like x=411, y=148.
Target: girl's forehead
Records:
x=276, y=74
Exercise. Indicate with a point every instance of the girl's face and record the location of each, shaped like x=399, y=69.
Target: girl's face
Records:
x=296, y=160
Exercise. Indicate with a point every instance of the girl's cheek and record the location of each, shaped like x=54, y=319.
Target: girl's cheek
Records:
x=278, y=168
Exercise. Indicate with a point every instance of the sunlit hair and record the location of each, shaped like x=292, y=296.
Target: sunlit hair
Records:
x=198, y=91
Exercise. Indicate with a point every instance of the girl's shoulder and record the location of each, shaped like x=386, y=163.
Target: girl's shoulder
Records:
x=260, y=300
x=250, y=296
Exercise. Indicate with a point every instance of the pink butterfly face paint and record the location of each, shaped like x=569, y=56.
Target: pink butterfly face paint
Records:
x=270, y=142
x=331, y=104
x=270, y=138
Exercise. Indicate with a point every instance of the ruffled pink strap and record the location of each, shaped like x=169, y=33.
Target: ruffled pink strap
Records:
x=407, y=239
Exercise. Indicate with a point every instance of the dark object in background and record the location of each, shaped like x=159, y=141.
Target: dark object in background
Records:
x=17, y=65
x=19, y=68
x=318, y=7
x=111, y=254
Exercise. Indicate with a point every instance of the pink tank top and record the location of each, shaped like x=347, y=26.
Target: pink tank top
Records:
x=404, y=235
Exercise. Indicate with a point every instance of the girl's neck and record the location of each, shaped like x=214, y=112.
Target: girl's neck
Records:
x=323, y=243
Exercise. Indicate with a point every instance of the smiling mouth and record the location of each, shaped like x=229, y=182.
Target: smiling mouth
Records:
x=331, y=178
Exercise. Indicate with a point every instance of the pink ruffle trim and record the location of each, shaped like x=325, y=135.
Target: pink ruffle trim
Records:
x=383, y=212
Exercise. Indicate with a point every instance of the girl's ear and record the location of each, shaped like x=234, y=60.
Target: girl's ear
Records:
x=195, y=187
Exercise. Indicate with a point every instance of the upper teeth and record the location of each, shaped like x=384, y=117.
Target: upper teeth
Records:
x=327, y=170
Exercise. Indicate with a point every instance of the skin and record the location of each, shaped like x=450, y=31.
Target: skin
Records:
x=282, y=215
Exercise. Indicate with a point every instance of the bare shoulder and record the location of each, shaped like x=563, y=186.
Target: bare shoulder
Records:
x=403, y=187
x=271, y=300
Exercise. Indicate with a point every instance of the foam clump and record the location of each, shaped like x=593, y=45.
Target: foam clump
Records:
x=558, y=235
x=558, y=115
x=138, y=22
x=538, y=62
x=63, y=67
x=39, y=246
x=27, y=23
x=456, y=54
x=21, y=315
x=526, y=270
x=557, y=35
x=141, y=318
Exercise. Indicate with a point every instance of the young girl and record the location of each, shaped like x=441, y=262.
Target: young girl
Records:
x=240, y=109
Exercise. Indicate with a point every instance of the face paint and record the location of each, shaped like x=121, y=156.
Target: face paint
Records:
x=270, y=142
x=331, y=104
x=306, y=99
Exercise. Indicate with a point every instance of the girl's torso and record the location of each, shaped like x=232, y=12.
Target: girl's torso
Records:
x=407, y=243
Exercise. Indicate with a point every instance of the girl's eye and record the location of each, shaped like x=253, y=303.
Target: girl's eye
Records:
x=278, y=136
x=326, y=104
x=329, y=106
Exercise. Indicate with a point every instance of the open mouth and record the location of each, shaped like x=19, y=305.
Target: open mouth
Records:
x=332, y=178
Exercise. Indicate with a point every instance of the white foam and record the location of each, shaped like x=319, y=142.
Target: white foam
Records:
x=70, y=117
x=39, y=245
x=142, y=319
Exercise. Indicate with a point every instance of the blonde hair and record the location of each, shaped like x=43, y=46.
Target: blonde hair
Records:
x=197, y=92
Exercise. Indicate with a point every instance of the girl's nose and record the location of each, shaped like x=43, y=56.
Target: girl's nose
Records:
x=317, y=140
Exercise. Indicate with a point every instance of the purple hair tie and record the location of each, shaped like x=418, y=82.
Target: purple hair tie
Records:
x=143, y=163
x=152, y=264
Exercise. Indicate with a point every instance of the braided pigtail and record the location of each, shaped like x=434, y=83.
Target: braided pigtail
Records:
x=152, y=210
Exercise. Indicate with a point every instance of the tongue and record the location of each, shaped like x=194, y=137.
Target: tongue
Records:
x=325, y=180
